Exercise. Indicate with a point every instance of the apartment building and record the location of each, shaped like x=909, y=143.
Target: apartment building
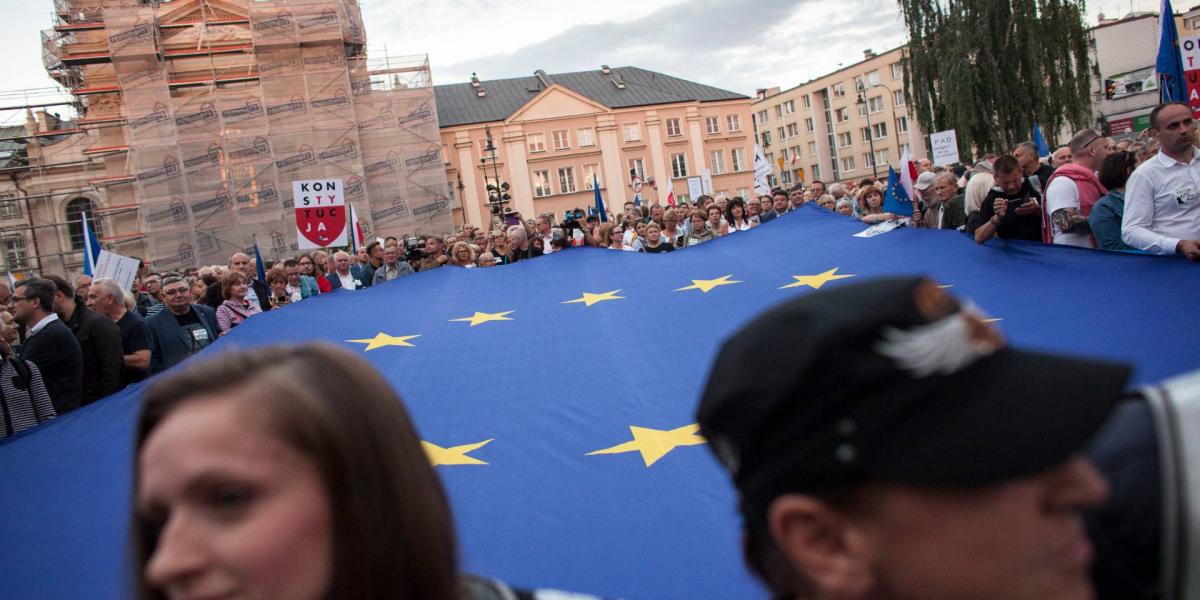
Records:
x=552, y=136
x=845, y=125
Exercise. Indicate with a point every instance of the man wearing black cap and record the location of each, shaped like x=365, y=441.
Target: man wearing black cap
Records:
x=905, y=451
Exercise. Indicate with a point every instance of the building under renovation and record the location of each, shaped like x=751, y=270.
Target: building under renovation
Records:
x=188, y=120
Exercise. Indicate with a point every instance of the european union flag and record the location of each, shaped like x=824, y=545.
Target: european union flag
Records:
x=895, y=199
x=1169, y=64
x=91, y=246
x=557, y=396
x=259, y=265
x=1039, y=140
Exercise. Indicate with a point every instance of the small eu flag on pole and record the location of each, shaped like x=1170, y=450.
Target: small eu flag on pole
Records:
x=1169, y=64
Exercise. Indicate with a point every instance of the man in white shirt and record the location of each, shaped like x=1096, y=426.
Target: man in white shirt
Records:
x=1162, y=197
x=340, y=278
x=1074, y=188
x=543, y=227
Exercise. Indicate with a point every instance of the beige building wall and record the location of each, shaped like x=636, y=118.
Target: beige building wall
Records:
x=562, y=139
x=822, y=124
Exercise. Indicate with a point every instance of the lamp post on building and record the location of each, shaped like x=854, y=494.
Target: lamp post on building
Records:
x=892, y=102
x=497, y=191
x=862, y=101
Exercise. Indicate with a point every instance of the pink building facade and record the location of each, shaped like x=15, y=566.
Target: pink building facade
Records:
x=554, y=135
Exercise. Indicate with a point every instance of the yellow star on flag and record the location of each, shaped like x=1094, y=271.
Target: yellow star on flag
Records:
x=993, y=319
x=455, y=455
x=704, y=285
x=382, y=339
x=590, y=299
x=656, y=443
x=481, y=317
x=815, y=281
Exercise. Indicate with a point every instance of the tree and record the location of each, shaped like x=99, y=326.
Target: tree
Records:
x=989, y=68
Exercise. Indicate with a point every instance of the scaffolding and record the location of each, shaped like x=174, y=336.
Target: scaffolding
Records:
x=193, y=118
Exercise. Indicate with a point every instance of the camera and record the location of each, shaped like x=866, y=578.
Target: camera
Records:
x=571, y=220
x=414, y=248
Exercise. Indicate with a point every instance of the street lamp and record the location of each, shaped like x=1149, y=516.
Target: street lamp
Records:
x=497, y=190
x=862, y=101
x=862, y=90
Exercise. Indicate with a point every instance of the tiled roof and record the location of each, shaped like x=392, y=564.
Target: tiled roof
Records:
x=458, y=104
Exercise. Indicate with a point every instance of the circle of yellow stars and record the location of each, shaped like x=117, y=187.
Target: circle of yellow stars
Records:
x=651, y=444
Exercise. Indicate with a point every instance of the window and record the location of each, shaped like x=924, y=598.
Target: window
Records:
x=815, y=171
x=632, y=131
x=762, y=116
x=875, y=104
x=897, y=71
x=766, y=138
x=807, y=101
x=839, y=90
x=537, y=142
x=591, y=174
x=734, y=122
x=864, y=134
x=637, y=168
x=716, y=161
x=712, y=124
x=737, y=159
x=541, y=184
x=744, y=193
x=785, y=177
x=562, y=139
x=898, y=97
x=779, y=110
x=678, y=165
x=862, y=109
x=673, y=128
x=586, y=137
x=75, y=227
x=812, y=148
x=881, y=157
x=9, y=208
x=566, y=180
x=810, y=124
x=847, y=164
x=901, y=124
x=868, y=161
x=880, y=130
x=844, y=139
x=14, y=253
x=873, y=77
x=683, y=198
x=789, y=107
x=843, y=114
x=782, y=134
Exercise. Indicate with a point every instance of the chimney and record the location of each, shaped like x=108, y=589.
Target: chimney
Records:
x=474, y=80
x=605, y=70
x=868, y=54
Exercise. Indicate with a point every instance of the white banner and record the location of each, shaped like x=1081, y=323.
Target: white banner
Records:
x=762, y=169
x=945, y=147
x=706, y=181
x=695, y=188
x=121, y=269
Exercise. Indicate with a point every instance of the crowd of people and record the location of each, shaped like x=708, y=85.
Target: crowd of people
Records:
x=87, y=339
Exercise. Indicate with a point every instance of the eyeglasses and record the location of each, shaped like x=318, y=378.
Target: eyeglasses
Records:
x=174, y=292
x=20, y=298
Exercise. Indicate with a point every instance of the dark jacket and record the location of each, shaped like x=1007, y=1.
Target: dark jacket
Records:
x=169, y=343
x=336, y=283
x=213, y=297
x=57, y=355
x=103, y=359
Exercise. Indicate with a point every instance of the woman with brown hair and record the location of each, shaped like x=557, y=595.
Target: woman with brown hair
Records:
x=236, y=308
x=870, y=201
x=289, y=473
x=277, y=280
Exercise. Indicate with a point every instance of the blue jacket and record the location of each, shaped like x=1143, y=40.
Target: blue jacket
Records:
x=1105, y=221
x=308, y=287
x=169, y=343
x=335, y=282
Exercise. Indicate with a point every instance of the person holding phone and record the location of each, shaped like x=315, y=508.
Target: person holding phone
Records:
x=1011, y=210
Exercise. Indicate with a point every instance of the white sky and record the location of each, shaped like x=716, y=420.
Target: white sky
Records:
x=738, y=45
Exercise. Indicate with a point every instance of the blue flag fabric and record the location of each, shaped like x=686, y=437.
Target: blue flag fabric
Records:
x=599, y=200
x=895, y=199
x=1169, y=64
x=1043, y=149
x=91, y=246
x=258, y=264
x=571, y=495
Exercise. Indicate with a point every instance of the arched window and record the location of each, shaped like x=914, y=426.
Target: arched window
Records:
x=74, y=225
